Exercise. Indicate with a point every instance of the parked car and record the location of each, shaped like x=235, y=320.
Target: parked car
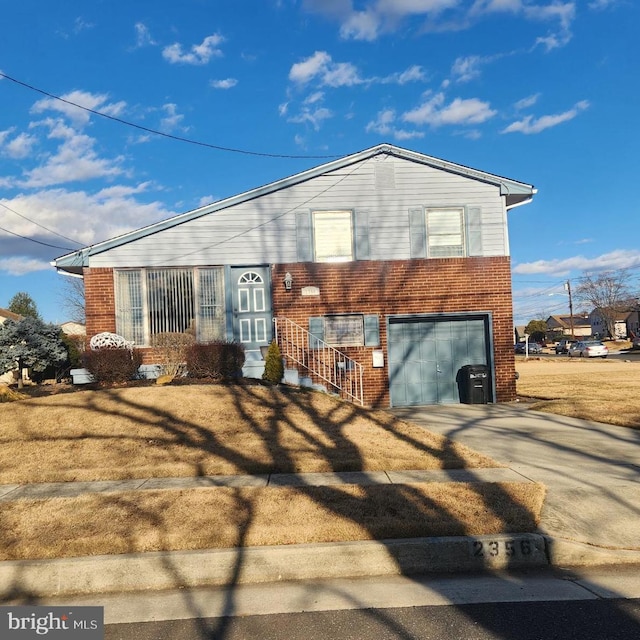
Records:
x=589, y=349
x=534, y=347
x=563, y=346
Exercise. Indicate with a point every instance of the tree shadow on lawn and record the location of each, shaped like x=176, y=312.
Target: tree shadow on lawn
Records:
x=270, y=432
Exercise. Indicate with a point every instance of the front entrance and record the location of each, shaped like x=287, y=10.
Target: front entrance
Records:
x=252, y=315
x=426, y=354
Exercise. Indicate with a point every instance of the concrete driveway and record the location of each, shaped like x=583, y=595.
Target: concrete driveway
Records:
x=591, y=470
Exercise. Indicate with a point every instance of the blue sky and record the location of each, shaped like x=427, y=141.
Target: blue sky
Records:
x=542, y=91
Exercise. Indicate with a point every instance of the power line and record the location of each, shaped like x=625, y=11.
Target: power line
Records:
x=46, y=244
x=162, y=133
x=55, y=233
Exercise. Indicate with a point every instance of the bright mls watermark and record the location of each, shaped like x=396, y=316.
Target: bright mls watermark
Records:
x=53, y=623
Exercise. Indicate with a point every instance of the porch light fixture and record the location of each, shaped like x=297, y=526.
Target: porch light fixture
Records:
x=288, y=281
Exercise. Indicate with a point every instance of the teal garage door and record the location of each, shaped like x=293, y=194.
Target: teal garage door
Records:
x=426, y=354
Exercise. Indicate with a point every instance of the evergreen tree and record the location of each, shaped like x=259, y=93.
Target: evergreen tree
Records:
x=273, y=367
x=30, y=343
x=22, y=304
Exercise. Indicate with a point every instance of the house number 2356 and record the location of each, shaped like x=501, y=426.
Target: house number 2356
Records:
x=496, y=548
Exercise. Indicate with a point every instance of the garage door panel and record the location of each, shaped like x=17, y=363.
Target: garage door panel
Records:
x=425, y=357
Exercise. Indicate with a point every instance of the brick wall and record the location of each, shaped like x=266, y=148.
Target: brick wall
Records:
x=404, y=287
x=370, y=287
x=100, y=304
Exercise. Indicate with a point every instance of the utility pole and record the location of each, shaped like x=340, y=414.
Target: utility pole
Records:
x=567, y=287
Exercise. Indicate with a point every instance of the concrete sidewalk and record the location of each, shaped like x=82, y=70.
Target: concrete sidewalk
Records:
x=591, y=514
x=591, y=471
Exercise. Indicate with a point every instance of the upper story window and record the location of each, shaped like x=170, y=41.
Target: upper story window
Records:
x=445, y=233
x=332, y=236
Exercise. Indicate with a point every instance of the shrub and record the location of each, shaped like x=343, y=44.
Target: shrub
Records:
x=273, y=367
x=218, y=359
x=112, y=365
x=172, y=351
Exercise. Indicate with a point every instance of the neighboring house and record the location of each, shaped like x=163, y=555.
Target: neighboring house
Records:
x=5, y=314
x=397, y=259
x=562, y=325
x=519, y=333
x=633, y=324
x=621, y=321
x=72, y=328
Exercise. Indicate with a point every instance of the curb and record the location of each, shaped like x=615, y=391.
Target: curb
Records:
x=569, y=553
x=220, y=567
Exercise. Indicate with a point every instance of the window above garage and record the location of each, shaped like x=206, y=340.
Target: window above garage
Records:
x=445, y=232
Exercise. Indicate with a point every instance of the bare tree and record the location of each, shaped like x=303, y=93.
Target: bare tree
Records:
x=72, y=297
x=609, y=293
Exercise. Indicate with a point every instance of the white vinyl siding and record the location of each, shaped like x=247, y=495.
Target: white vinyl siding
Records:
x=332, y=236
x=154, y=301
x=445, y=233
x=265, y=230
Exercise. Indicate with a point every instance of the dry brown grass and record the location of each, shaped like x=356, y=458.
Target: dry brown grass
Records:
x=222, y=517
x=195, y=430
x=592, y=389
x=199, y=430
x=9, y=395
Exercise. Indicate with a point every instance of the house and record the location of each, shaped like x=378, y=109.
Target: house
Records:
x=73, y=328
x=381, y=274
x=562, y=325
x=620, y=321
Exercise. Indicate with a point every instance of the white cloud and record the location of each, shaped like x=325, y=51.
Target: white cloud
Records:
x=602, y=4
x=283, y=108
x=172, y=119
x=314, y=117
x=113, y=211
x=199, y=54
x=361, y=25
x=527, y=102
x=321, y=67
x=318, y=96
x=460, y=111
x=303, y=72
x=19, y=147
x=529, y=124
x=78, y=115
x=496, y=6
x=143, y=36
x=205, y=200
x=414, y=73
x=21, y=265
x=74, y=160
x=467, y=68
x=227, y=83
x=618, y=259
x=384, y=125
x=380, y=16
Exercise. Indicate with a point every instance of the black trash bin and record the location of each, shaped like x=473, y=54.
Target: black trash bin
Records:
x=474, y=384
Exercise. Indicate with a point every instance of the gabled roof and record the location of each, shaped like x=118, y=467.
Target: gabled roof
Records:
x=9, y=315
x=565, y=321
x=515, y=192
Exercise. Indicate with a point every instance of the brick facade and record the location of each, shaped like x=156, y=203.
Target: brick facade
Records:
x=100, y=302
x=451, y=285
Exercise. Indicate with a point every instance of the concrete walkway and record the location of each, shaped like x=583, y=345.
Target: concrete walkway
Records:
x=591, y=471
x=591, y=515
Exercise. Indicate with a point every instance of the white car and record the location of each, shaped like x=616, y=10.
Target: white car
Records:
x=589, y=349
